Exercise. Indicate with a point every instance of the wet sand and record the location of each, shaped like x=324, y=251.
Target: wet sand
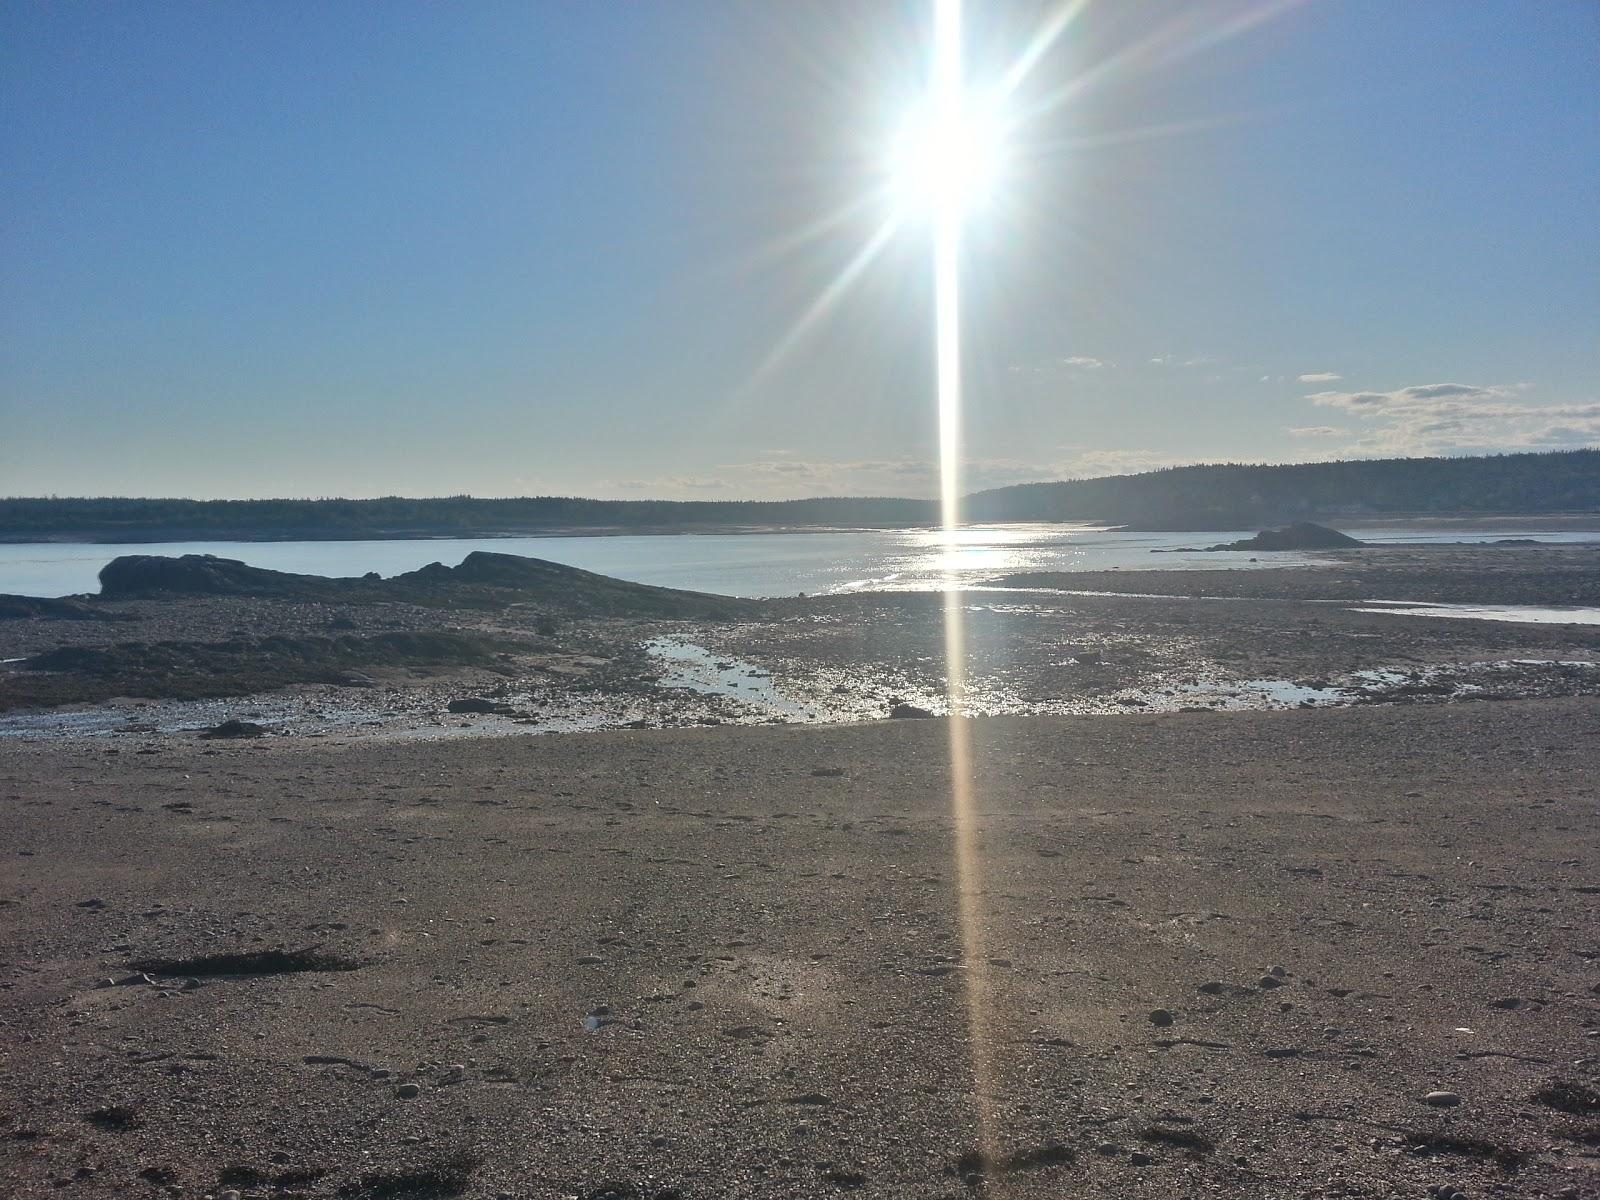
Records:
x=727, y=962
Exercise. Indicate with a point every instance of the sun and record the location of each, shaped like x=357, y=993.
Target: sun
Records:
x=947, y=157
x=946, y=160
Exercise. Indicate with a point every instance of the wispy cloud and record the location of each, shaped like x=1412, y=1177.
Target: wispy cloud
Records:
x=1321, y=377
x=1073, y=364
x=673, y=485
x=1318, y=431
x=1454, y=418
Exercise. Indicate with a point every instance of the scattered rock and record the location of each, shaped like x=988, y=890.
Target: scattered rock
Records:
x=113, y=1116
x=1569, y=1096
x=904, y=712
x=408, y=1091
x=1212, y=987
x=477, y=704
x=1160, y=1017
x=1268, y=982
x=247, y=963
x=233, y=728
x=1184, y=1139
x=1442, y=1099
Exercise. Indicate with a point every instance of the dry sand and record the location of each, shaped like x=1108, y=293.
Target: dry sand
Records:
x=760, y=926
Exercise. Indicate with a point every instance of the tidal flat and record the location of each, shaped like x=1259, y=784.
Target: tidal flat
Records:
x=1261, y=894
x=386, y=660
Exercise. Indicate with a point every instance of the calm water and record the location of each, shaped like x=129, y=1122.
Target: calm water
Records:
x=776, y=564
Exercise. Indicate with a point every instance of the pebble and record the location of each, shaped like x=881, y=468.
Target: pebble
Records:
x=1161, y=1017
x=1280, y=972
x=1211, y=988
x=1442, y=1099
x=1141, y=1159
x=230, y=1194
x=408, y=1091
x=1108, y=1149
x=1271, y=981
x=589, y=960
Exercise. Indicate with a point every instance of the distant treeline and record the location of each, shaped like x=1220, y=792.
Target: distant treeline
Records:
x=1242, y=496
x=1220, y=497
x=114, y=519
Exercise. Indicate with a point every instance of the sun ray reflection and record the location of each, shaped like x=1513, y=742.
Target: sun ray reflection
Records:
x=826, y=299
x=1190, y=33
x=947, y=102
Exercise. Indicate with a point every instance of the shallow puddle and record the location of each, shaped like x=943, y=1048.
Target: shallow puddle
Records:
x=1524, y=614
x=697, y=669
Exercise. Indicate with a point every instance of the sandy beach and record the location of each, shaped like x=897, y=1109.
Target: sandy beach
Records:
x=1223, y=954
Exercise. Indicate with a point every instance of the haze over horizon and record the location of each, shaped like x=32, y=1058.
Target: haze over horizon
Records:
x=510, y=249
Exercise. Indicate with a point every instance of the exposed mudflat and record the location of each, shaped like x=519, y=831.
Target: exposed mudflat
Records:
x=1104, y=642
x=1545, y=573
x=1223, y=954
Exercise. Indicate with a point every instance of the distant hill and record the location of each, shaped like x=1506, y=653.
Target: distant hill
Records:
x=1241, y=496
x=1222, y=496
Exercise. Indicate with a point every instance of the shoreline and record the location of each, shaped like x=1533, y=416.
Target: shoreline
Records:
x=1444, y=522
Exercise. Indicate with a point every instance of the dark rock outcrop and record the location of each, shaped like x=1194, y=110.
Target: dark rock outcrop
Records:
x=1302, y=535
x=483, y=580
x=200, y=575
x=488, y=579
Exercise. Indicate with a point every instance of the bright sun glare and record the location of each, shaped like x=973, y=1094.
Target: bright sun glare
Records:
x=946, y=157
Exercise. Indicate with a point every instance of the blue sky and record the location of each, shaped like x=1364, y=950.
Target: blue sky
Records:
x=519, y=248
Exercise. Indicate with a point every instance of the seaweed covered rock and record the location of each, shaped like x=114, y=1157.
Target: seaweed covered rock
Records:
x=39, y=608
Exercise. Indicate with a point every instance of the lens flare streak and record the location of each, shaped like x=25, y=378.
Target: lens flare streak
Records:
x=948, y=109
